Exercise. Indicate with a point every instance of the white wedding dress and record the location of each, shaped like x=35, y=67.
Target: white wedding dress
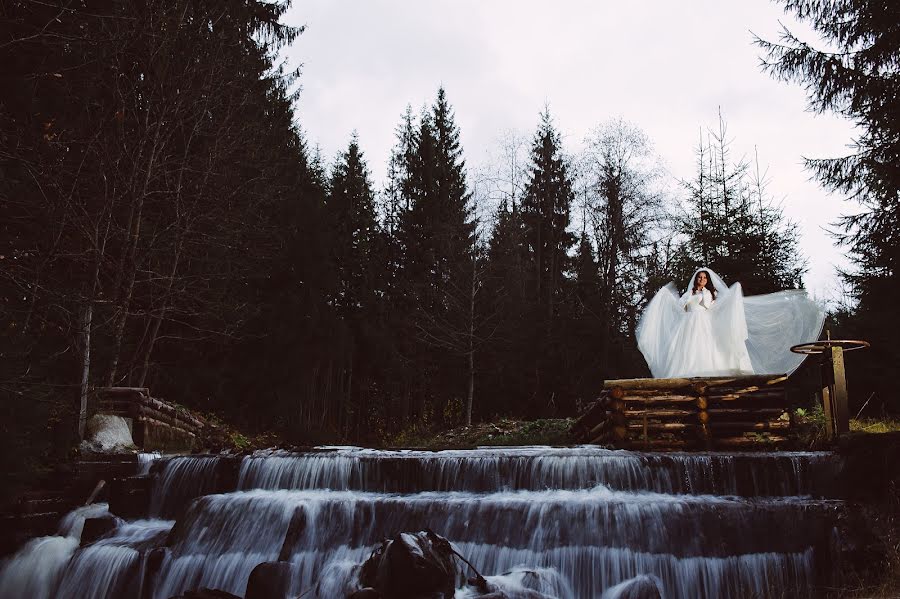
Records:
x=697, y=336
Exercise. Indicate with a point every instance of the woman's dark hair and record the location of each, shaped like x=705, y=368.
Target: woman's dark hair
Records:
x=709, y=284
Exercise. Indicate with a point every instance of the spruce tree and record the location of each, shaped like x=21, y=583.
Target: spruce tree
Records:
x=545, y=215
x=436, y=236
x=351, y=207
x=729, y=223
x=857, y=75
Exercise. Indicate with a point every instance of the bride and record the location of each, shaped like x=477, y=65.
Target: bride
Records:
x=713, y=330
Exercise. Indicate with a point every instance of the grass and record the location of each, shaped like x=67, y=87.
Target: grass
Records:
x=504, y=432
x=875, y=425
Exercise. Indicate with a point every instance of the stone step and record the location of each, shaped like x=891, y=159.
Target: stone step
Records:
x=19, y=528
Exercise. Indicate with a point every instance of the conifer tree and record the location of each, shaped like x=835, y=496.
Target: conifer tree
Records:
x=855, y=72
x=435, y=233
x=731, y=225
x=545, y=214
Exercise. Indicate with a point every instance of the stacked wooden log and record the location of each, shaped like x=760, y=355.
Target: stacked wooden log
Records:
x=695, y=413
x=155, y=423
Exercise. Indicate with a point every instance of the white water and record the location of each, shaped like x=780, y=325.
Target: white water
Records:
x=34, y=570
x=146, y=460
x=570, y=523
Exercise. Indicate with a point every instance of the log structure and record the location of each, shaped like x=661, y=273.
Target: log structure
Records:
x=743, y=412
x=156, y=425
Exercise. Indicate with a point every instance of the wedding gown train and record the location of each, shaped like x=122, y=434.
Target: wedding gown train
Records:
x=694, y=335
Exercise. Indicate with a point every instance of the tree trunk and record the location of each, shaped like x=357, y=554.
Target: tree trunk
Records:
x=85, y=342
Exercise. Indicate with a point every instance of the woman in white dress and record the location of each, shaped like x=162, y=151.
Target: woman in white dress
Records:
x=713, y=330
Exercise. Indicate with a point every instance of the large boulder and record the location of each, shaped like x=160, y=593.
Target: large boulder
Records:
x=411, y=566
x=269, y=580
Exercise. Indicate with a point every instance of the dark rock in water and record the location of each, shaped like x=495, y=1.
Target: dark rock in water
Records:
x=639, y=587
x=129, y=497
x=95, y=528
x=294, y=534
x=366, y=593
x=411, y=566
x=269, y=580
x=522, y=594
x=206, y=594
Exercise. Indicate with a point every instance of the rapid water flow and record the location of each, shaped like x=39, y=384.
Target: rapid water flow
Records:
x=573, y=523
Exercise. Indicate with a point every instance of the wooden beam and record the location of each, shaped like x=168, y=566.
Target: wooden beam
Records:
x=759, y=380
x=839, y=397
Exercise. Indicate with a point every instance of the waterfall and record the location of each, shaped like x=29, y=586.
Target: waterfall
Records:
x=568, y=522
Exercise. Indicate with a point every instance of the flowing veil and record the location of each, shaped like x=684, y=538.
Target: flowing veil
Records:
x=761, y=326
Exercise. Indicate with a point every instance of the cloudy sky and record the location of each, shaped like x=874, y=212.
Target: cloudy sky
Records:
x=665, y=66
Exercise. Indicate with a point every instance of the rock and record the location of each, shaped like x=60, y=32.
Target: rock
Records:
x=411, y=566
x=269, y=580
x=95, y=528
x=366, y=593
x=644, y=586
x=129, y=497
x=206, y=594
x=107, y=433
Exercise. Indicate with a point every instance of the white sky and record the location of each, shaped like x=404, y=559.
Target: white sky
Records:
x=664, y=66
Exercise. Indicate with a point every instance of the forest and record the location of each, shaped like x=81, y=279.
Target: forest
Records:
x=165, y=223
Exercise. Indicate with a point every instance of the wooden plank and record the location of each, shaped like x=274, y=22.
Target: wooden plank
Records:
x=759, y=380
x=659, y=444
x=600, y=428
x=659, y=413
x=731, y=442
x=750, y=426
x=659, y=399
x=748, y=412
x=658, y=393
x=660, y=426
x=749, y=395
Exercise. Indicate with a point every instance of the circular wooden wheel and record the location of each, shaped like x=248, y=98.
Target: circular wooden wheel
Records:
x=818, y=347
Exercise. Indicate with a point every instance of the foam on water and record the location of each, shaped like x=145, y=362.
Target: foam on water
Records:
x=568, y=522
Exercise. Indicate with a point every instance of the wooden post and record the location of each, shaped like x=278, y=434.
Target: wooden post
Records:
x=703, y=418
x=839, y=392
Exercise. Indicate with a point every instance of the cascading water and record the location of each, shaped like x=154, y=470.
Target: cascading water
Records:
x=571, y=523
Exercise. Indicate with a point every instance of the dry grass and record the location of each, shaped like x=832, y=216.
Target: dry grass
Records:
x=875, y=425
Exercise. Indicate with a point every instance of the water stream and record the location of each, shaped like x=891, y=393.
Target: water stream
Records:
x=579, y=521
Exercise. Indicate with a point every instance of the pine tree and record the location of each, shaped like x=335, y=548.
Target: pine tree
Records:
x=509, y=356
x=436, y=236
x=351, y=206
x=858, y=77
x=731, y=225
x=545, y=215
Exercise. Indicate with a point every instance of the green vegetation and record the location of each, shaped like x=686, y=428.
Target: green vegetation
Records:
x=504, y=432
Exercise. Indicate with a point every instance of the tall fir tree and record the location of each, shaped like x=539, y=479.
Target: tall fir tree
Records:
x=546, y=209
x=436, y=236
x=730, y=224
x=855, y=72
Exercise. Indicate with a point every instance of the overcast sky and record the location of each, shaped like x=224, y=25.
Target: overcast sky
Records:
x=665, y=66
